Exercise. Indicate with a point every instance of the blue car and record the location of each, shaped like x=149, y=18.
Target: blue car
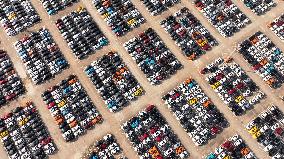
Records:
x=109, y=10
x=61, y=62
x=211, y=156
x=22, y=52
x=135, y=123
x=89, y=70
x=103, y=41
x=277, y=51
x=51, y=12
x=111, y=104
x=94, y=157
x=65, y=112
x=67, y=90
x=191, y=84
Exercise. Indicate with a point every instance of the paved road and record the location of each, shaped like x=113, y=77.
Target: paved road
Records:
x=153, y=93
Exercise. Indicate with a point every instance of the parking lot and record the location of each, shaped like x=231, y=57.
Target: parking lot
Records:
x=153, y=93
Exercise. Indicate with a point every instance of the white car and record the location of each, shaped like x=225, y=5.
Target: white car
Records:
x=49, y=148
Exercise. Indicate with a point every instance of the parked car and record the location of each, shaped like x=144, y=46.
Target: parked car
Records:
x=152, y=137
x=106, y=147
x=195, y=112
x=265, y=58
x=157, y=7
x=54, y=6
x=225, y=16
x=120, y=16
x=277, y=26
x=152, y=56
x=234, y=147
x=259, y=7
x=114, y=81
x=24, y=134
x=267, y=128
x=17, y=15
x=232, y=85
x=73, y=110
x=11, y=85
x=189, y=34
x=81, y=33
x=41, y=56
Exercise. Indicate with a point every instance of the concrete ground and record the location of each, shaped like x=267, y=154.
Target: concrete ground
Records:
x=153, y=94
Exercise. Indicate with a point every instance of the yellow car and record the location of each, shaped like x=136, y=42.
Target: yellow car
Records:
x=253, y=130
x=239, y=98
x=23, y=122
x=62, y=103
x=227, y=157
x=12, y=16
x=192, y=101
x=213, y=86
x=154, y=152
x=105, y=15
x=3, y=134
x=79, y=9
x=138, y=92
x=204, y=42
x=256, y=135
x=131, y=21
x=217, y=84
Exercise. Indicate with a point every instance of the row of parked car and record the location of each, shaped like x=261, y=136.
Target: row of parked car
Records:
x=225, y=16
x=277, y=26
x=107, y=147
x=24, y=134
x=157, y=7
x=152, y=56
x=259, y=7
x=188, y=33
x=120, y=15
x=268, y=129
x=152, y=137
x=81, y=33
x=11, y=85
x=233, y=85
x=54, y=6
x=17, y=15
x=195, y=112
x=71, y=107
x=234, y=147
x=266, y=59
x=114, y=81
x=41, y=56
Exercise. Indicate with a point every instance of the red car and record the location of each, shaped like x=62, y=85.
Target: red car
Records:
x=3, y=81
x=144, y=136
x=6, y=116
x=150, y=107
x=153, y=130
x=232, y=91
x=177, y=26
x=45, y=141
x=240, y=85
x=279, y=131
x=50, y=105
x=175, y=96
x=204, y=70
x=215, y=130
x=206, y=47
x=10, y=96
x=158, y=138
x=257, y=66
x=228, y=145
